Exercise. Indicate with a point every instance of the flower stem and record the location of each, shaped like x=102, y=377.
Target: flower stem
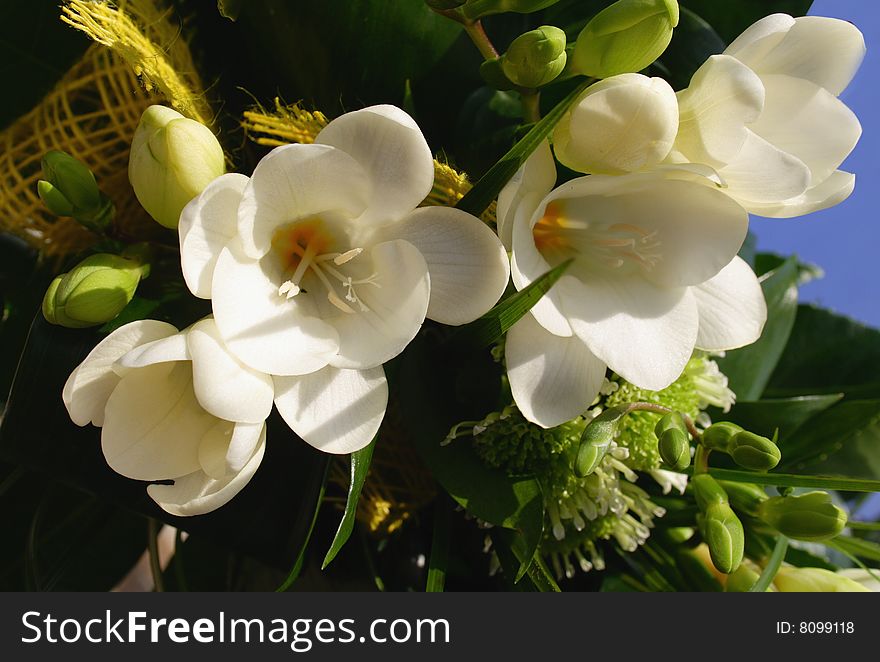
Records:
x=153, y=545
x=531, y=102
x=660, y=409
x=481, y=40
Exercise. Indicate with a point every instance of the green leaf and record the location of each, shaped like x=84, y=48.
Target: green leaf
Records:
x=772, y=566
x=693, y=41
x=300, y=557
x=487, y=188
x=857, y=547
x=843, y=440
x=514, y=557
x=787, y=415
x=841, y=483
x=748, y=369
x=490, y=327
x=138, y=308
x=439, y=546
x=828, y=353
x=731, y=18
x=360, y=467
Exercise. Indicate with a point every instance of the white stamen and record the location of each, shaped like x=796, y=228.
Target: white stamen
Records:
x=347, y=256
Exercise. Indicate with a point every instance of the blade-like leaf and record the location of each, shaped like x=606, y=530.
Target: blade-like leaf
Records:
x=300, y=557
x=360, y=467
x=787, y=415
x=748, y=369
x=487, y=188
x=490, y=327
x=772, y=566
x=439, y=546
x=794, y=480
x=858, y=547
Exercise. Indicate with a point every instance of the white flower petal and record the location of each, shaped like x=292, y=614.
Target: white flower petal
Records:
x=225, y=448
x=760, y=38
x=553, y=379
x=644, y=333
x=391, y=149
x=620, y=124
x=396, y=306
x=153, y=424
x=732, y=308
x=266, y=331
x=467, y=264
x=87, y=389
x=295, y=182
x=828, y=193
x=763, y=173
x=535, y=178
x=197, y=493
x=723, y=97
x=826, y=51
x=223, y=385
x=207, y=224
x=163, y=350
x=336, y=411
x=527, y=265
x=808, y=122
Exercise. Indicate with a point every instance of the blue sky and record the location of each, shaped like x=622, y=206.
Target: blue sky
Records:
x=844, y=240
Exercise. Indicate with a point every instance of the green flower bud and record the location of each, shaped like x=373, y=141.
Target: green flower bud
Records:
x=54, y=199
x=811, y=516
x=536, y=57
x=173, y=158
x=93, y=292
x=717, y=436
x=595, y=441
x=671, y=420
x=71, y=179
x=474, y=9
x=752, y=451
x=725, y=537
x=814, y=580
x=625, y=37
x=707, y=491
x=744, y=497
x=742, y=579
x=675, y=449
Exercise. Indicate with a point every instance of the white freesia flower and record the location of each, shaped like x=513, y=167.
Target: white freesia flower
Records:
x=321, y=268
x=655, y=275
x=174, y=405
x=766, y=116
x=620, y=124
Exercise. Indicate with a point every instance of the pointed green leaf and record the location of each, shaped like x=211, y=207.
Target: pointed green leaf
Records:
x=301, y=556
x=490, y=327
x=772, y=566
x=360, y=467
x=487, y=188
x=794, y=480
x=439, y=546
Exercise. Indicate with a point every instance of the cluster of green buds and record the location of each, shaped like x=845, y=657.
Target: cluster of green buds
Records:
x=673, y=441
x=624, y=37
x=748, y=450
x=94, y=292
x=68, y=188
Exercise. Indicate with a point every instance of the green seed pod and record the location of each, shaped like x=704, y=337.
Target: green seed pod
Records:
x=742, y=579
x=744, y=497
x=72, y=179
x=752, y=451
x=535, y=58
x=93, y=292
x=725, y=537
x=707, y=491
x=717, y=436
x=625, y=37
x=595, y=441
x=675, y=449
x=811, y=516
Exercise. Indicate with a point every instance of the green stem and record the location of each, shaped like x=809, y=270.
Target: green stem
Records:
x=772, y=566
x=481, y=40
x=660, y=409
x=531, y=102
x=153, y=544
x=701, y=460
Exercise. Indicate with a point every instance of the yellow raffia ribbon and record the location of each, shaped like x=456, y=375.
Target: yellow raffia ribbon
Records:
x=293, y=124
x=166, y=66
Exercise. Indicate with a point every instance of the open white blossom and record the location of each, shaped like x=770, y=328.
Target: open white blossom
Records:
x=654, y=276
x=766, y=115
x=320, y=268
x=174, y=405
